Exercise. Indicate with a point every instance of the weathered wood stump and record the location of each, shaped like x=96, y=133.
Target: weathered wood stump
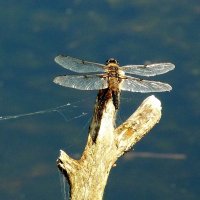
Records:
x=88, y=176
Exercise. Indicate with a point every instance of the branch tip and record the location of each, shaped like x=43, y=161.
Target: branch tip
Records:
x=153, y=101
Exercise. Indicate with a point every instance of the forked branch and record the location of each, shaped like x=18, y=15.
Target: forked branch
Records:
x=88, y=176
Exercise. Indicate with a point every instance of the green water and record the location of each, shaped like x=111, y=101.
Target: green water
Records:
x=34, y=32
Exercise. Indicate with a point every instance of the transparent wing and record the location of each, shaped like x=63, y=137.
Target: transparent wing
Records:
x=86, y=82
x=78, y=65
x=137, y=85
x=148, y=70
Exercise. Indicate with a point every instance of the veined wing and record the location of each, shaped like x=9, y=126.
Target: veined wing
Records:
x=148, y=70
x=84, y=82
x=137, y=85
x=78, y=65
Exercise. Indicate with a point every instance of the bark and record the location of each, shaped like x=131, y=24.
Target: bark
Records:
x=88, y=176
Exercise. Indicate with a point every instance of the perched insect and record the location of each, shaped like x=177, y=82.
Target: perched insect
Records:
x=113, y=76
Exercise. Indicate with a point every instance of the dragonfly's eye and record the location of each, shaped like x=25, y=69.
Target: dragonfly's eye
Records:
x=112, y=60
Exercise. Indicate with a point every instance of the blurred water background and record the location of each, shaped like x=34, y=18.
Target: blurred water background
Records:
x=33, y=32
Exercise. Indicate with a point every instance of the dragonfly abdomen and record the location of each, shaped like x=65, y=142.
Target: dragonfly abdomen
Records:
x=113, y=84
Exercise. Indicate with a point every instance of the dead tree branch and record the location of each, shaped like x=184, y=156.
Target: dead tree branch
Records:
x=88, y=176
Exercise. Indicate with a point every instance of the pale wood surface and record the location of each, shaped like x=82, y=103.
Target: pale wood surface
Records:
x=88, y=176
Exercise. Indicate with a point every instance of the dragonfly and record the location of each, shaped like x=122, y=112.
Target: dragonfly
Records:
x=96, y=76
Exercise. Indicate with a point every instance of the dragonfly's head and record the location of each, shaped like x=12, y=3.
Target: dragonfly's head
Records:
x=112, y=60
